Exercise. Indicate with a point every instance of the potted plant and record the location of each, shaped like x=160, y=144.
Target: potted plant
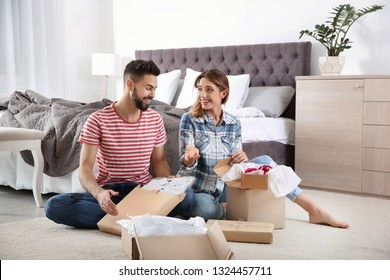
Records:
x=333, y=34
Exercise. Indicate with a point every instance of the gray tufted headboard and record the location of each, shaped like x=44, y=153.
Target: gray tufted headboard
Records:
x=274, y=64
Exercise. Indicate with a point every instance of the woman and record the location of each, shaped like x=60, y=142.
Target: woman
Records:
x=207, y=135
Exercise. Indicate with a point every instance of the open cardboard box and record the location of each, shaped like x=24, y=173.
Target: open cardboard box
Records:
x=242, y=231
x=208, y=246
x=140, y=202
x=250, y=199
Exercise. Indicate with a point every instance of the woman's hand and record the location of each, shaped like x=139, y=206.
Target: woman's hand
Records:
x=239, y=157
x=191, y=154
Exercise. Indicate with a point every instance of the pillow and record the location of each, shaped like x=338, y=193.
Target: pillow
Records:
x=246, y=112
x=188, y=92
x=273, y=101
x=239, y=88
x=167, y=85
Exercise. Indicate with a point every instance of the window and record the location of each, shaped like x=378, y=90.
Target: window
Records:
x=31, y=47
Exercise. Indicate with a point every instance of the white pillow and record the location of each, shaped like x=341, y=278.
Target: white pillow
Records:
x=167, y=85
x=188, y=92
x=273, y=101
x=239, y=88
x=246, y=112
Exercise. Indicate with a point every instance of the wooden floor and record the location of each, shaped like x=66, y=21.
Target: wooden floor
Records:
x=18, y=205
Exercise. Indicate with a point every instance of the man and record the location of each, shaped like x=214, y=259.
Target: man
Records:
x=124, y=139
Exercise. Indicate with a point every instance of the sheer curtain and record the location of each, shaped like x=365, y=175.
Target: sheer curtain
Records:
x=31, y=47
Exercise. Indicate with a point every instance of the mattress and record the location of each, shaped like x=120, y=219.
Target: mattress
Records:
x=268, y=129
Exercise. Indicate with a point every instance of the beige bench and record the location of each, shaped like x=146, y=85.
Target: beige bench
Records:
x=19, y=139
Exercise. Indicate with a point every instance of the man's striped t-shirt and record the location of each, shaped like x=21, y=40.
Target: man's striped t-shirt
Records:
x=125, y=148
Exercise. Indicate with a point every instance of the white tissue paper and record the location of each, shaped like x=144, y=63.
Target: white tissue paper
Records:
x=154, y=225
x=282, y=180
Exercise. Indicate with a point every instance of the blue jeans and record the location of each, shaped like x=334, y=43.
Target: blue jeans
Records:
x=267, y=160
x=207, y=205
x=82, y=210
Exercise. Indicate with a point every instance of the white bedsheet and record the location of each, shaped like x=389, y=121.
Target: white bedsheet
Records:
x=15, y=172
x=268, y=129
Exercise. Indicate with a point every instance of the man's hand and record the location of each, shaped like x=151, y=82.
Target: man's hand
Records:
x=105, y=202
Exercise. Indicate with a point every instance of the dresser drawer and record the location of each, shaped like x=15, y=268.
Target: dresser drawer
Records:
x=376, y=183
x=376, y=113
x=377, y=90
x=376, y=159
x=376, y=136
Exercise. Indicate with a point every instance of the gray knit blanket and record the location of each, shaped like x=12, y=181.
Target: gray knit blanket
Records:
x=60, y=120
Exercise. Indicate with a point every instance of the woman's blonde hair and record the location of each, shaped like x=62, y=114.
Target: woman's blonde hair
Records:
x=218, y=78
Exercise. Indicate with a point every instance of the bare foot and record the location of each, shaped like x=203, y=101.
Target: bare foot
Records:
x=322, y=217
x=316, y=214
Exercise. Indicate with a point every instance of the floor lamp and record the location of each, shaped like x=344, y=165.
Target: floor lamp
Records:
x=105, y=64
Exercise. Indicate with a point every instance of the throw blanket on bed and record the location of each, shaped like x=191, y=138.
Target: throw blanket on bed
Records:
x=62, y=120
x=171, y=116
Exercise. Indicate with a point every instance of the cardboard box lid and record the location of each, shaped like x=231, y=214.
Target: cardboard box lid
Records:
x=209, y=246
x=247, y=181
x=243, y=231
x=140, y=202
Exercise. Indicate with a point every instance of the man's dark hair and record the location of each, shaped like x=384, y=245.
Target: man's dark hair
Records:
x=136, y=70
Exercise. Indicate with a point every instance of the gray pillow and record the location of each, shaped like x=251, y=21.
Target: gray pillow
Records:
x=273, y=101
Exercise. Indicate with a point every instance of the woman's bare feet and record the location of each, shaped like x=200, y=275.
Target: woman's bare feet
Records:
x=322, y=217
x=316, y=214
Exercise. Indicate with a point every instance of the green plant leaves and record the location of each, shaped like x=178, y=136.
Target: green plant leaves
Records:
x=333, y=33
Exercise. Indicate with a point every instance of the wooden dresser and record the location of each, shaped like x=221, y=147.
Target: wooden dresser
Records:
x=343, y=133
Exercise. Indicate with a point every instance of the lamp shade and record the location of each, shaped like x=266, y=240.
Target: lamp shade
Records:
x=107, y=64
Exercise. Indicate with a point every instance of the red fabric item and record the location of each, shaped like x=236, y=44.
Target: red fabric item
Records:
x=265, y=168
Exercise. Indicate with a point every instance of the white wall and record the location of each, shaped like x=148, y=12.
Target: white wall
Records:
x=154, y=24
x=123, y=26
x=87, y=28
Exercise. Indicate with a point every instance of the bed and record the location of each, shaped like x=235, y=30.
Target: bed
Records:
x=262, y=82
x=272, y=69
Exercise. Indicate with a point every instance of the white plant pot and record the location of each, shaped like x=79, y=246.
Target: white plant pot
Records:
x=331, y=65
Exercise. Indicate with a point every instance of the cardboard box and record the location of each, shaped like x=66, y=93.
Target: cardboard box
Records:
x=242, y=231
x=255, y=205
x=247, y=181
x=209, y=246
x=252, y=201
x=140, y=202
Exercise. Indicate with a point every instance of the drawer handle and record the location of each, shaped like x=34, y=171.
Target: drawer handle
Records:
x=358, y=86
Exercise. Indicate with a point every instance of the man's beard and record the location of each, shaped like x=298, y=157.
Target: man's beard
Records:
x=139, y=101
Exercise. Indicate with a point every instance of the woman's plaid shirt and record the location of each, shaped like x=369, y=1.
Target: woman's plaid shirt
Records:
x=214, y=142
